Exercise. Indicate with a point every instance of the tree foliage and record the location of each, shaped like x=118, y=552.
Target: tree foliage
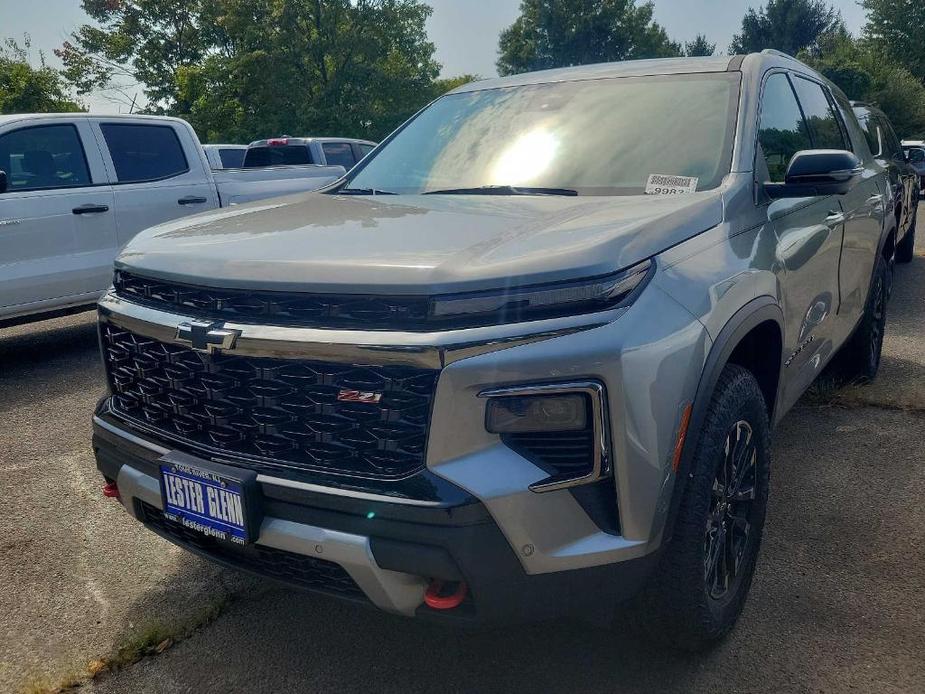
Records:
x=700, y=46
x=241, y=69
x=560, y=33
x=897, y=26
x=28, y=89
x=866, y=73
x=786, y=25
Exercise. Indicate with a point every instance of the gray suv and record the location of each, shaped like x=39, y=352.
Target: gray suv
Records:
x=523, y=361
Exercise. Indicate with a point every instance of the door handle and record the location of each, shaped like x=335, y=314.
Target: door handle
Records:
x=191, y=200
x=835, y=218
x=90, y=209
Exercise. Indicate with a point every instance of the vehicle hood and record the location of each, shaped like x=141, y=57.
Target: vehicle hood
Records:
x=416, y=244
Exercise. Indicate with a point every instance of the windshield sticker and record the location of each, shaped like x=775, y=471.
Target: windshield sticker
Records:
x=663, y=184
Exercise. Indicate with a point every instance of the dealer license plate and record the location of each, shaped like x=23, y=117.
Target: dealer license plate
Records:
x=205, y=501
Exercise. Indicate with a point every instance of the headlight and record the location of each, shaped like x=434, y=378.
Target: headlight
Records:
x=543, y=301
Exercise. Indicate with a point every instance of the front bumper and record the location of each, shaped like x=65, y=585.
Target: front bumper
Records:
x=371, y=550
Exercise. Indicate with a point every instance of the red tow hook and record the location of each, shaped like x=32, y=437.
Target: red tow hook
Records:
x=434, y=599
x=111, y=490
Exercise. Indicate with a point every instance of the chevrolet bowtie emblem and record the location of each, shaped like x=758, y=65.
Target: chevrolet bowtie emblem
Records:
x=205, y=336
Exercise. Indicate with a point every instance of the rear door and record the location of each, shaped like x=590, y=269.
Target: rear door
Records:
x=809, y=236
x=156, y=172
x=57, y=228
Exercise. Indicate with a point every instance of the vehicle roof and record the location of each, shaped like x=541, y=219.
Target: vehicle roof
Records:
x=13, y=117
x=307, y=140
x=754, y=62
x=216, y=145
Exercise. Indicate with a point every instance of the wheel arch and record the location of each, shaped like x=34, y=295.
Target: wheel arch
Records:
x=749, y=338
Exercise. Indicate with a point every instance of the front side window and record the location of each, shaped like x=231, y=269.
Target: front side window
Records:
x=824, y=127
x=44, y=157
x=593, y=137
x=338, y=154
x=782, y=132
x=144, y=152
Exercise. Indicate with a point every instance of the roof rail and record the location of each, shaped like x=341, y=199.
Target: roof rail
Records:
x=780, y=54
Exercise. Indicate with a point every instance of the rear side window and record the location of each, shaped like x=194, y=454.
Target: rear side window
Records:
x=824, y=127
x=891, y=142
x=44, y=157
x=277, y=155
x=782, y=132
x=873, y=134
x=231, y=158
x=365, y=149
x=144, y=152
x=338, y=154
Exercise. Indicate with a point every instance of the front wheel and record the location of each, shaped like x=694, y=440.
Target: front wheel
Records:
x=700, y=586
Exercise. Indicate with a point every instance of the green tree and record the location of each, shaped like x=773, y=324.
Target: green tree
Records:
x=560, y=33
x=700, y=46
x=897, y=26
x=242, y=69
x=28, y=89
x=786, y=25
x=866, y=73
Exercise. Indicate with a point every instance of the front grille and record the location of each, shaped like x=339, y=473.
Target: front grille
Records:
x=274, y=415
x=291, y=568
x=280, y=308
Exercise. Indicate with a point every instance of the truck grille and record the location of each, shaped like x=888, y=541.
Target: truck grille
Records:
x=288, y=567
x=273, y=414
x=280, y=308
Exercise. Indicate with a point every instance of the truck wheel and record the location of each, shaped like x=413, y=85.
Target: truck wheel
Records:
x=705, y=571
x=859, y=359
x=905, y=249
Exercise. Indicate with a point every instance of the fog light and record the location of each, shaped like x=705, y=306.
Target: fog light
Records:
x=537, y=413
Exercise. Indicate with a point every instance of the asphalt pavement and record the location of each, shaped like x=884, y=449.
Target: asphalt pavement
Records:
x=838, y=603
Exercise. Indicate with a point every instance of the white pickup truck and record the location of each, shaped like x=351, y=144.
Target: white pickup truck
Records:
x=75, y=188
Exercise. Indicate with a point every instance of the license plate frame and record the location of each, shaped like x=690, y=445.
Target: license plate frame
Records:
x=212, y=499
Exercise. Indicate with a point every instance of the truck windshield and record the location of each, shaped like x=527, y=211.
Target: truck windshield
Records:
x=592, y=137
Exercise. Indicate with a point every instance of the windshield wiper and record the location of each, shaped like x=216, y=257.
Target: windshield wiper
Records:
x=502, y=190
x=364, y=191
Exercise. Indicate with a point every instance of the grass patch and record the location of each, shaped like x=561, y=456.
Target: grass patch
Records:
x=148, y=641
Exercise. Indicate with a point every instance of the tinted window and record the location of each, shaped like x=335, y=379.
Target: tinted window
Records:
x=144, y=152
x=338, y=154
x=824, y=126
x=231, y=158
x=873, y=135
x=782, y=131
x=892, y=144
x=49, y=156
x=365, y=149
x=277, y=155
x=597, y=137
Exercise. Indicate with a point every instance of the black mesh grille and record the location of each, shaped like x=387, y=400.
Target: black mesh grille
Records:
x=295, y=569
x=274, y=414
x=559, y=452
x=311, y=310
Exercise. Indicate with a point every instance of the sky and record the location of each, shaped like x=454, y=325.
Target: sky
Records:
x=465, y=31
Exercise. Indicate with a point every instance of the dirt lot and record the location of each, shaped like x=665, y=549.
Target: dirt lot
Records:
x=838, y=603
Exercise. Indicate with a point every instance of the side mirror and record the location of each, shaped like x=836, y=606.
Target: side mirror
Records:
x=817, y=172
x=916, y=156
x=4, y=182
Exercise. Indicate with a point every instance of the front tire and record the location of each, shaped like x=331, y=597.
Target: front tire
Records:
x=697, y=593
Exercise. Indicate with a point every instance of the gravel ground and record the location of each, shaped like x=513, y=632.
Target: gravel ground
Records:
x=838, y=602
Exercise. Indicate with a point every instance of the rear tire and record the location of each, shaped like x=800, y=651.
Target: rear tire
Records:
x=697, y=593
x=859, y=359
x=905, y=249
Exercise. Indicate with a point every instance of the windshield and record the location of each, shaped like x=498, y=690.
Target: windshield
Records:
x=593, y=137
